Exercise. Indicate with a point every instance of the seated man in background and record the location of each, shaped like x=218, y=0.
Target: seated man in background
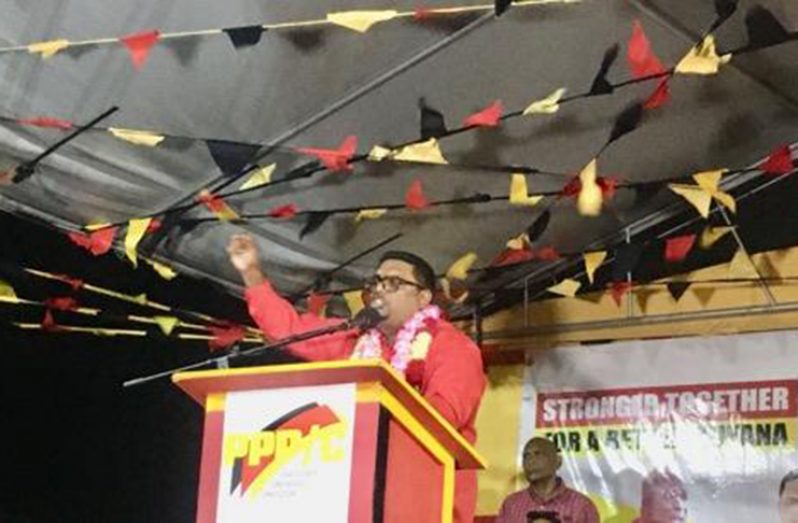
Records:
x=788, y=498
x=546, y=492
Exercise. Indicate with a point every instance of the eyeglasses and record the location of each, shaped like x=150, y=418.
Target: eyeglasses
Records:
x=388, y=283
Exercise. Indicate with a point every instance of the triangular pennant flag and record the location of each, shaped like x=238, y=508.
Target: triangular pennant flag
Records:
x=246, y=36
x=779, y=161
x=601, y=85
x=488, y=117
x=424, y=152
x=166, y=323
x=702, y=59
x=548, y=105
x=415, y=199
x=619, y=289
x=512, y=256
x=677, y=289
x=677, y=249
x=741, y=266
x=711, y=235
x=567, y=288
x=231, y=157
x=459, y=269
x=547, y=254
x=136, y=137
x=317, y=302
x=709, y=181
x=724, y=9
x=217, y=206
x=223, y=337
x=519, y=193
x=501, y=6
x=98, y=242
x=7, y=293
x=369, y=214
x=641, y=58
x=697, y=197
x=659, y=97
x=315, y=220
x=433, y=124
x=764, y=29
x=48, y=49
x=164, y=271
x=538, y=227
x=285, y=212
x=520, y=242
x=626, y=122
x=47, y=122
x=334, y=159
x=259, y=178
x=139, y=46
x=626, y=258
x=354, y=300
x=48, y=322
x=136, y=229
x=379, y=153
x=590, y=199
x=593, y=261
x=360, y=21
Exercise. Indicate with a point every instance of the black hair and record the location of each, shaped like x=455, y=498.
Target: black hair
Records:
x=422, y=270
x=791, y=476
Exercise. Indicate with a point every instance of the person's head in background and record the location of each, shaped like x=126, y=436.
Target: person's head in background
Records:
x=541, y=460
x=536, y=516
x=664, y=499
x=788, y=498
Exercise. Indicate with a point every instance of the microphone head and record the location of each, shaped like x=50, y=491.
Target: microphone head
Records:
x=370, y=316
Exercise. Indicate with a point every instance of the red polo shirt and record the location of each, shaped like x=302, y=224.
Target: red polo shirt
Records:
x=569, y=505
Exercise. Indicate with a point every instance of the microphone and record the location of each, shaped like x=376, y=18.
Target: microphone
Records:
x=370, y=316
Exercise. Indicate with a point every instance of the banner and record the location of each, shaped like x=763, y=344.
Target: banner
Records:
x=687, y=430
x=282, y=448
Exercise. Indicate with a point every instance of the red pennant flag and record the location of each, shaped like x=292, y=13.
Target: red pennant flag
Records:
x=677, y=249
x=608, y=186
x=154, y=225
x=52, y=123
x=335, y=159
x=316, y=303
x=619, y=289
x=659, y=97
x=415, y=198
x=285, y=212
x=547, y=254
x=512, y=256
x=488, y=117
x=139, y=46
x=75, y=283
x=779, y=161
x=642, y=60
x=48, y=323
x=422, y=13
x=225, y=336
x=62, y=303
x=98, y=242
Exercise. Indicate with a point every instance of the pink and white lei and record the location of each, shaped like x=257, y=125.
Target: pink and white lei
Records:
x=416, y=329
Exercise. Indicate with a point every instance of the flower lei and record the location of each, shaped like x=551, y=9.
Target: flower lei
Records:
x=410, y=347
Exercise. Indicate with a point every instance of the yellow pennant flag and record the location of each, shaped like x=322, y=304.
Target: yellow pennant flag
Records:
x=354, y=300
x=710, y=235
x=593, y=261
x=369, y=214
x=459, y=269
x=698, y=198
x=424, y=152
x=566, y=288
x=379, y=153
x=164, y=271
x=49, y=48
x=218, y=206
x=702, y=59
x=519, y=242
x=741, y=267
x=519, y=192
x=262, y=176
x=136, y=229
x=590, y=199
x=548, y=105
x=7, y=293
x=146, y=138
x=166, y=323
x=709, y=181
x=360, y=21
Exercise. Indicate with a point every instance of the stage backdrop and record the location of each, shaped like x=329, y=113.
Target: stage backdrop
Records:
x=695, y=429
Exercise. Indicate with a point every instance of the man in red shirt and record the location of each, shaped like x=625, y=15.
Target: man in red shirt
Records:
x=433, y=355
x=546, y=492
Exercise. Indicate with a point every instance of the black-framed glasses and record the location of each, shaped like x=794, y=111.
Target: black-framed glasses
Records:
x=388, y=283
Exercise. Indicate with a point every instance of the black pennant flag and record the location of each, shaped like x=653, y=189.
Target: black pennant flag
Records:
x=600, y=84
x=246, y=36
x=304, y=170
x=500, y=6
x=724, y=10
x=626, y=258
x=315, y=221
x=626, y=122
x=433, y=123
x=677, y=289
x=231, y=157
x=764, y=29
x=538, y=227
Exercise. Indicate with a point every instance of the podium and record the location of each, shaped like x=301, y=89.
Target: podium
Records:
x=332, y=442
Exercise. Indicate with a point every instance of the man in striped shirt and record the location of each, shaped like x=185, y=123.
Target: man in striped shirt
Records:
x=546, y=491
